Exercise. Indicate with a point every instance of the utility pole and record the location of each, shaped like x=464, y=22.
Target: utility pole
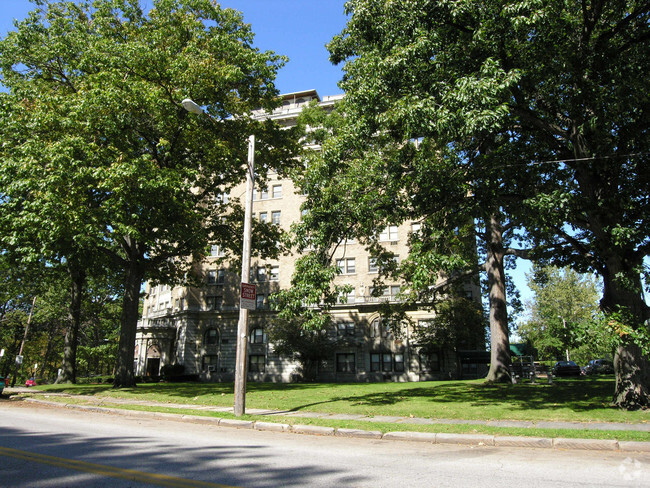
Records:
x=242, y=326
x=22, y=344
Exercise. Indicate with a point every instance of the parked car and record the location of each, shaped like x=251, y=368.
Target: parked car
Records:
x=30, y=382
x=566, y=368
x=599, y=366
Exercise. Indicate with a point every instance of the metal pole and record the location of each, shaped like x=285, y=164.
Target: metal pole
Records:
x=567, y=350
x=22, y=344
x=242, y=326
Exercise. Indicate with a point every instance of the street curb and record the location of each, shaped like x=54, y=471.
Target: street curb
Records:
x=590, y=444
x=410, y=436
x=514, y=441
x=364, y=434
x=272, y=427
x=468, y=439
x=433, y=438
x=634, y=446
x=312, y=429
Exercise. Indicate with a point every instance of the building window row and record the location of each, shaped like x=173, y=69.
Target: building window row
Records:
x=345, y=363
x=216, y=276
x=265, y=273
x=374, y=267
x=346, y=265
x=390, y=233
x=256, y=363
x=275, y=191
x=345, y=328
x=275, y=217
x=387, y=362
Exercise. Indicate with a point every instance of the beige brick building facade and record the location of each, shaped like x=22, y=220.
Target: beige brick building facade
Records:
x=196, y=327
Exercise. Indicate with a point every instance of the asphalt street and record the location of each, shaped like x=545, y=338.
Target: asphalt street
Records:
x=44, y=446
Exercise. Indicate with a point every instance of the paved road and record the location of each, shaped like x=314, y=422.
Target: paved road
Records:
x=43, y=447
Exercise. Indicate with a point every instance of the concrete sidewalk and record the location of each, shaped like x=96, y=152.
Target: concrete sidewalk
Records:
x=99, y=404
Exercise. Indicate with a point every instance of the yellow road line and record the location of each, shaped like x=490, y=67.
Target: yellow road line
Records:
x=102, y=470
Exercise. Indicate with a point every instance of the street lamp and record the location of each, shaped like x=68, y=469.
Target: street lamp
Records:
x=242, y=326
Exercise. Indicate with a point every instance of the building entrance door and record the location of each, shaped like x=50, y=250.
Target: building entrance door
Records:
x=153, y=367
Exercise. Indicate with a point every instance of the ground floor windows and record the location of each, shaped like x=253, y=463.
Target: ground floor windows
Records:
x=210, y=362
x=387, y=362
x=256, y=363
x=345, y=363
x=429, y=361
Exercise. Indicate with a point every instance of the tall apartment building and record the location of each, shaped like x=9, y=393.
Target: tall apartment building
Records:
x=196, y=327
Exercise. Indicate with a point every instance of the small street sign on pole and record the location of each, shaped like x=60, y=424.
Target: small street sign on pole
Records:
x=248, y=296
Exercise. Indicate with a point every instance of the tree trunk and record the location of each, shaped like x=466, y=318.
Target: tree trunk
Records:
x=499, y=341
x=69, y=367
x=623, y=295
x=134, y=274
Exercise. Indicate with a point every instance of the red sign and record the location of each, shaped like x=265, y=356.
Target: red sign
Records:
x=248, y=296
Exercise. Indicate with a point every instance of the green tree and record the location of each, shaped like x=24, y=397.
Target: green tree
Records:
x=94, y=99
x=458, y=324
x=543, y=106
x=307, y=345
x=564, y=316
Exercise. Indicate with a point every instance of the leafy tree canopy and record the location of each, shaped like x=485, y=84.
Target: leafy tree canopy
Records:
x=535, y=111
x=98, y=153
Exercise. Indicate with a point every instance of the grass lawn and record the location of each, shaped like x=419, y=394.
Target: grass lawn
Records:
x=582, y=399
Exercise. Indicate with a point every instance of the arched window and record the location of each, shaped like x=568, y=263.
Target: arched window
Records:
x=211, y=337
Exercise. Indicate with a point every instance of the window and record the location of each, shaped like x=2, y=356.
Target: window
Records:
x=347, y=298
x=221, y=276
x=276, y=191
x=374, y=267
x=386, y=362
x=210, y=362
x=223, y=197
x=389, y=233
x=380, y=328
x=275, y=273
x=259, y=301
x=398, y=360
x=213, y=302
x=211, y=337
x=261, y=274
x=345, y=328
x=275, y=217
x=429, y=362
x=264, y=217
x=256, y=363
x=212, y=276
x=415, y=227
x=217, y=251
x=346, y=265
x=387, y=293
x=265, y=194
x=345, y=363
x=257, y=336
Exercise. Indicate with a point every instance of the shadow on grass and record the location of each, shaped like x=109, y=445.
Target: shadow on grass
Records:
x=579, y=395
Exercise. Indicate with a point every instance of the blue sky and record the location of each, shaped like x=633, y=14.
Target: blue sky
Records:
x=298, y=29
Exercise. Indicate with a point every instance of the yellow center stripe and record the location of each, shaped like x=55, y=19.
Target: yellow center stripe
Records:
x=101, y=470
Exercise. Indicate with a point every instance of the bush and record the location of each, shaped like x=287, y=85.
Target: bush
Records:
x=171, y=370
